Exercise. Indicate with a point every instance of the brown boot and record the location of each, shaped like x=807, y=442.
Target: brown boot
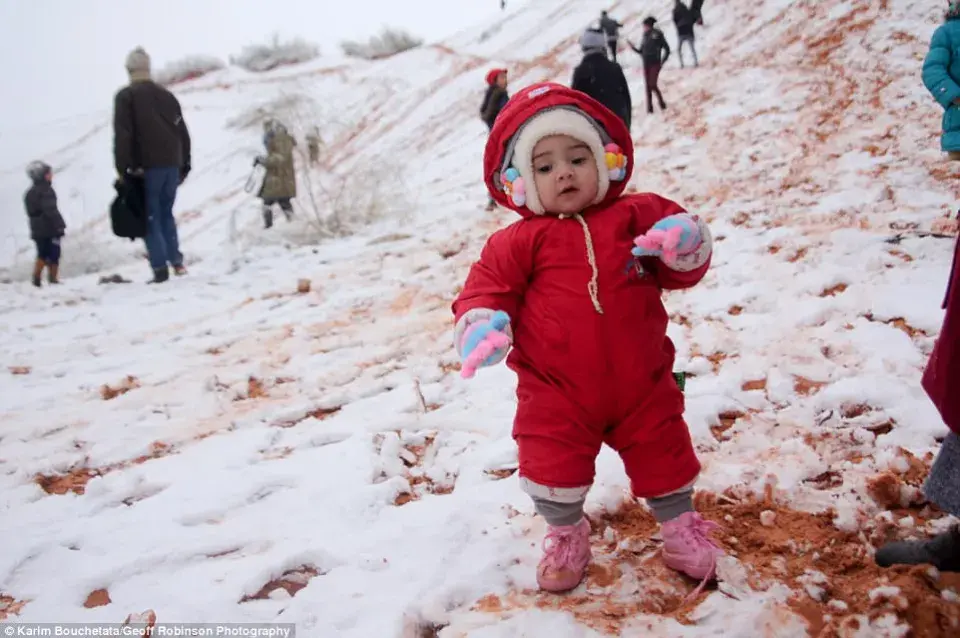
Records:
x=53, y=273
x=38, y=266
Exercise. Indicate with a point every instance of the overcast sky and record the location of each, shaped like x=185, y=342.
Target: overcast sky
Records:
x=63, y=57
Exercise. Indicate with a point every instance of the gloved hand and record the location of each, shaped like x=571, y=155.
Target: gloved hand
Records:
x=670, y=238
x=484, y=343
x=184, y=171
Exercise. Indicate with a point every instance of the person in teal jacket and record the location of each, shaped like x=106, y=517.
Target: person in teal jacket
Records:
x=941, y=76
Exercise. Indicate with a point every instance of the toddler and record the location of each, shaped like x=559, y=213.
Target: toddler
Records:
x=574, y=288
x=46, y=224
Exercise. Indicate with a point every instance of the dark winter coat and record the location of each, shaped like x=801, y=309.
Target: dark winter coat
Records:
x=941, y=76
x=148, y=128
x=281, y=178
x=696, y=8
x=941, y=379
x=684, y=19
x=603, y=80
x=653, y=49
x=583, y=376
x=493, y=102
x=46, y=222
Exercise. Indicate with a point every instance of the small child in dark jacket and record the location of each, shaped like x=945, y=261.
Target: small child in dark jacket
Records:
x=46, y=224
x=494, y=100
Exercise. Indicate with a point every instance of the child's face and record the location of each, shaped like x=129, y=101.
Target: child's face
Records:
x=502, y=80
x=565, y=174
x=49, y=176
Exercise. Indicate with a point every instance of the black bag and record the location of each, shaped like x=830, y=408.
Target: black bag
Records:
x=128, y=212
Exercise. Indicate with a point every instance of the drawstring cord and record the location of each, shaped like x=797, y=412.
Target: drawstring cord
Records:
x=592, y=287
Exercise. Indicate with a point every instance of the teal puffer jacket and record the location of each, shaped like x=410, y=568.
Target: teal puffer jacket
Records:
x=941, y=76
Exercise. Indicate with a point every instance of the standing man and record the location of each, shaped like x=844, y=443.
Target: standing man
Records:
x=654, y=52
x=151, y=142
x=684, y=19
x=611, y=28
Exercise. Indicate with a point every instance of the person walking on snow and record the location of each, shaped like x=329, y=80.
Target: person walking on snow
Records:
x=280, y=182
x=494, y=100
x=611, y=28
x=46, y=223
x=570, y=295
x=151, y=142
x=602, y=79
x=941, y=76
x=313, y=145
x=941, y=378
x=654, y=51
x=684, y=20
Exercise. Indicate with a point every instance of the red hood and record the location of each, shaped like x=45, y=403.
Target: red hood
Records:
x=527, y=103
x=492, y=75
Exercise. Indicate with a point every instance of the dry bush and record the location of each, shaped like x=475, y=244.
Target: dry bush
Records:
x=188, y=68
x=390, y=42
x=264, y=57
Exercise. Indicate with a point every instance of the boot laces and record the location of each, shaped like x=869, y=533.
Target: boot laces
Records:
x=697, y=534
x=561, y=545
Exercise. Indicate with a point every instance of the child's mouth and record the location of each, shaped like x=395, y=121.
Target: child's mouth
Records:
x=569, y=190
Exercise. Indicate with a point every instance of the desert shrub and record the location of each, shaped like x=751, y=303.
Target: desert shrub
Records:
x=264, y=57
x=389, y=42
x=188, y=68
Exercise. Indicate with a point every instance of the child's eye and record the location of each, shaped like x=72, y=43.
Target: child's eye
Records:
x=577, y=161
x=544, y=169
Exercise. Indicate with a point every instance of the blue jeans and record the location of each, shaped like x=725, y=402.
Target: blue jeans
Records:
x=163, y=245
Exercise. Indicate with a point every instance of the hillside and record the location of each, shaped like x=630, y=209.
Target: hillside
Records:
x=225, y=448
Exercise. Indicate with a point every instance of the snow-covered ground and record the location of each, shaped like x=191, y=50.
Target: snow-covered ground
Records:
x=224, y=448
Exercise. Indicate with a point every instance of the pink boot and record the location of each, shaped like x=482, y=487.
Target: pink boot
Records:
x=687, y=548
x=566, y=553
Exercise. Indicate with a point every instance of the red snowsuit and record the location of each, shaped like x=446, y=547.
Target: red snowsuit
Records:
x=585, y=378
x=941, y=378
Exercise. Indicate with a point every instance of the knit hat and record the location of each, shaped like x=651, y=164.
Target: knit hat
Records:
x=559, y=120
x=593, y=40
x=649, y=21
x=138, y=64
x=37, y=170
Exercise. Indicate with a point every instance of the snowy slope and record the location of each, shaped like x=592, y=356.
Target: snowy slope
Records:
x=223, y=448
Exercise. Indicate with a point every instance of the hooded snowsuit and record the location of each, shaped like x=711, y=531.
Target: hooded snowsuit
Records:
x=594, y=363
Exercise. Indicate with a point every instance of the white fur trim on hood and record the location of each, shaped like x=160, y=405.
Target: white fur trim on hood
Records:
x=557, y=121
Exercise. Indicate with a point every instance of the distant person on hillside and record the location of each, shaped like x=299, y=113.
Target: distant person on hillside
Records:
x=941, y=380
x=684, y=20
x=46, y=223
x=313, y=145
x=570, y=295
x=151, y=142
x=941, y=76
x=495, y=98
x=611, y=28
x=654, y=51
x=280, y=182
x=600, y=78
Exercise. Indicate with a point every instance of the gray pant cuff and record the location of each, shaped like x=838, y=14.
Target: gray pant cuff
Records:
x=558, y=514
x=666, y=508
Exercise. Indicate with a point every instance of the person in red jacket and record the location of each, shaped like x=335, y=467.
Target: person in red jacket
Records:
x=573, y=292
x=941, y=380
